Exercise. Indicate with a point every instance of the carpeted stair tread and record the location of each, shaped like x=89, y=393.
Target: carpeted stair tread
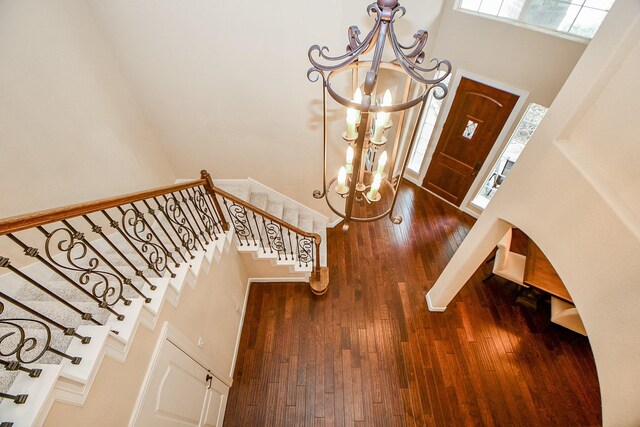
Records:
x=275, y=208
x=6, y=379
x=241, y=190
x=259, y=200
x=290, y=215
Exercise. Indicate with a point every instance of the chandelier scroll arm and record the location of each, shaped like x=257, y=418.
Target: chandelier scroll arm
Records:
x=348, y=58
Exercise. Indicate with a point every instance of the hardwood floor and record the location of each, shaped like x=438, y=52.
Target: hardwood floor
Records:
x=369, y=353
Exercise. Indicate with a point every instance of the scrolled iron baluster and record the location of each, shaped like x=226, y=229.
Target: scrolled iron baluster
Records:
x=34, y=253
x=125, y=280
x=198, y=199
x=176, y=206
x=274, y=238
x=290, y=244
x=305, y=250
x=105, y=286
x=98, y=230
x=178, y=223
x=152, y=212
x=241, y=224
x=185, y=201
x=211, y=203
x=135, y=228
x=152, y=236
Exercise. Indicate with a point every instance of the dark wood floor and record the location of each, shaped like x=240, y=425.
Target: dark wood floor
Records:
x=369, y=353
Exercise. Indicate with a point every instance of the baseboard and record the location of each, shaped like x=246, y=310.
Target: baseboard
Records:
x=432, y=307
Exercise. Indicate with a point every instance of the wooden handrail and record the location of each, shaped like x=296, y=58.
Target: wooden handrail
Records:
x=35, y=219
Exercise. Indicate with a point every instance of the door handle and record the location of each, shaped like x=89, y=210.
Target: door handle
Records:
x=209, y=380
x=476, y=168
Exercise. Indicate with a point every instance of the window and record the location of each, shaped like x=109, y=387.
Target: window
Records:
x=580, y=18
x=429, y=117
x=530, y=121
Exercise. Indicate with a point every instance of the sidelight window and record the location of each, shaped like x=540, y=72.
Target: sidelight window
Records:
x=528, y=124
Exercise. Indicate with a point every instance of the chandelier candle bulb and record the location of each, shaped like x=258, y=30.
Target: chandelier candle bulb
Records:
x=372, y=195
x=386, y=102
x=352, y=120
x=381, y=121
x=349, y=167
x=341, y=188
x=382, y=162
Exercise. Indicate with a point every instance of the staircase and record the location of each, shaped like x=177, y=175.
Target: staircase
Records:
x=103, y=268
x=281, y=207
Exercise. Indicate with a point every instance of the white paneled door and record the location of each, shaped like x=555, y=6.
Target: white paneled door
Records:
x=181, y=393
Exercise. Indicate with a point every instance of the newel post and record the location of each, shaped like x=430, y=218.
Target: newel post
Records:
x=212, y=191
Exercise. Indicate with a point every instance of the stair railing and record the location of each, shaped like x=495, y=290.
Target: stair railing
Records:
x=255, y=227
x=71, y=260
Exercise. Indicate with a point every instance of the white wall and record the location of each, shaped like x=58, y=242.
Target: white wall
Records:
x=226, y=85
x=70, y=128
x=574, y=191
x=207, y=312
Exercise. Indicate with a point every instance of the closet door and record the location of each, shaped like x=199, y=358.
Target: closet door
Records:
x=177, y=391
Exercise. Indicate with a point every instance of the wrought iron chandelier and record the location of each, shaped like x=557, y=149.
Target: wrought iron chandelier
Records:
x=366, y=187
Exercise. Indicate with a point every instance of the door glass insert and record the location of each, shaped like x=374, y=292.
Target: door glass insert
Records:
x=470, y=129
x=528, y=124
x=432, y=110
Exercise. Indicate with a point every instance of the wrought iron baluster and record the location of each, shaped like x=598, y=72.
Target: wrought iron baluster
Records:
x=209, y=222
x=284, y=244
x=274, y=236
x=266, y=232
x=152, y=212
x=67, y=331
x=178, y=205
x=238, y=216
x=73, y=245
x=152, y=234
x=298, y=249
x=134, y=227
x=290, y=244
x=33, y=252
x=125, y=280
x=182, y=231
x=185, y=200
x=97, y=229
x=116, y=225
x=208, y=198
x=255, y=220
x=305, y=251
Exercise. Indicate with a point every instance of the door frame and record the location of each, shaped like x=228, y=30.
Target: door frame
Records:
x=174, y=336
x=496, y=150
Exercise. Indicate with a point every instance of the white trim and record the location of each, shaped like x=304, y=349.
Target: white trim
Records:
x=278, y=279
x=432, y=307
x=240, y=326
x=174, y=336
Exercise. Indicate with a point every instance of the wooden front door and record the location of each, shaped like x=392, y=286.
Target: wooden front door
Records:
x=476, y=118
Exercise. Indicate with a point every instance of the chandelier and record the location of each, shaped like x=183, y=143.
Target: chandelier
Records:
x=366, y=186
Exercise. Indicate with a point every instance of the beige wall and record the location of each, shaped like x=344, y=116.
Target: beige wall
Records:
x=574, y=191
x=226, y=86
x=208, y=312
x=70, y=128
